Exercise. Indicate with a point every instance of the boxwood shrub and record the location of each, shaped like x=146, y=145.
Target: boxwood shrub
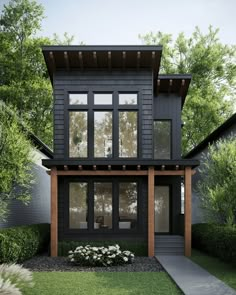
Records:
x=217, y=240
x=139, y=248
x=23, y=242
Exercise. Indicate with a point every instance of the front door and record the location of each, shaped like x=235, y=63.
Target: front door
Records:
x=162, y=209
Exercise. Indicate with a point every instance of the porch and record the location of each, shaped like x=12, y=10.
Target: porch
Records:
x=160, y=168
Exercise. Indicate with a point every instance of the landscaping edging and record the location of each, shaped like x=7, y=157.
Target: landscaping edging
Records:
x=45, y=263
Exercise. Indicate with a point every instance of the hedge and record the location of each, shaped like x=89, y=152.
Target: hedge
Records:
x=20, y=243
x=139, y=248
x=217, y=240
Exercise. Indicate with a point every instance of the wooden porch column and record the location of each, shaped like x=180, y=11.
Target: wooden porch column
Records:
x=151, y=175
x=54, y=210
x=188, y=212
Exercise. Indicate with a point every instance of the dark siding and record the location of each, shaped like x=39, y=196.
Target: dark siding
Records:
x=104, y=81
x=168, y=107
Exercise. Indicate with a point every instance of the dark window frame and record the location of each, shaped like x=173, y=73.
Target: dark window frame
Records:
x=171, y=141
x=115, y=108
x=115, y=205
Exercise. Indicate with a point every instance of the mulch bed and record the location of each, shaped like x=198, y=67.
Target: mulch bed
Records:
x=45, y=263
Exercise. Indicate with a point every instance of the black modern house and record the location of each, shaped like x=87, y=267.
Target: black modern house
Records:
x=116, y=171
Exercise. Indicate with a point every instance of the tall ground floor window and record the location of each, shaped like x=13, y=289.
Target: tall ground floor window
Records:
x=108, y=205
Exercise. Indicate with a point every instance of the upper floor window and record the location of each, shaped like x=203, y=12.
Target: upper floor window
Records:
x=162, y=139
x=78, y=127
x=103, y=98
x=128, y=98
x=128, y=134
x=78, y=98
x=103, y=134
x=95, y=122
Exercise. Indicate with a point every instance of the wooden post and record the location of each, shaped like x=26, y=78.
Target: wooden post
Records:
x=187, y=212
x=151, y=233
x=54, y=206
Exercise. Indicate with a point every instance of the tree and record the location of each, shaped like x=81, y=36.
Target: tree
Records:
x=213, y=86
x=216, y=189
x=15, y=165
x=23, y=74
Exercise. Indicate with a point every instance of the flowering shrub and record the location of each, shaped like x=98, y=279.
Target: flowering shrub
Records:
x=13, y=278
x=100, y=256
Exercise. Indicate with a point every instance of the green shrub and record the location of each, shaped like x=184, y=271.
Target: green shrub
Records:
x=23, y=242
x=139, y=248
x=217, y=240
x=100, y=256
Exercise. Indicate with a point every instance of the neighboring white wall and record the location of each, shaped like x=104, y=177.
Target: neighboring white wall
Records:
x=197, y=211
x=38, y=211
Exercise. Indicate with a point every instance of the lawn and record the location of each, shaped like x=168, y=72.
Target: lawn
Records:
x=112, y=283
x=223, y=271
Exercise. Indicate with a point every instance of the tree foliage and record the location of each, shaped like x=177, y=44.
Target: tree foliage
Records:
x=23, y=75
x=218, y=181
x=16, y=159
x=213, y=86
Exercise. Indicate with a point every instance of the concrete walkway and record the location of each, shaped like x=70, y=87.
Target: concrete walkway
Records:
x=191, y=278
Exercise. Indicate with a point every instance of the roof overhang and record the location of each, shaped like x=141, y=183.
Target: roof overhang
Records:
x=83, y=57
x=175, y=83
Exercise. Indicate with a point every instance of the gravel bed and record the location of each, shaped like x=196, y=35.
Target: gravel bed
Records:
x=45, y=263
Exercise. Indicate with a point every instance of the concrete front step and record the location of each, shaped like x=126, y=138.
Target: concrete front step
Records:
x=167, y=238
x=168, y=254
x=169, y=245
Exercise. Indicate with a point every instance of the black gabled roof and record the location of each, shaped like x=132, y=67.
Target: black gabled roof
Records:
x=211, y=137
x=42, y=147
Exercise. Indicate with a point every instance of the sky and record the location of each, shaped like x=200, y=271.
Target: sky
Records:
x=120, y=22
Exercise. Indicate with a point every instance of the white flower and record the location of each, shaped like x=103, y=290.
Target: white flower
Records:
x=127, y=253
x=70, y=252
x=87, y=257
x=112, y=248
x=132, y=255
x=125, y=259
x=117, y=246
x=94, y=257
x=95, y=249
x=109, y=262
x=72, y=260
x=70, y=256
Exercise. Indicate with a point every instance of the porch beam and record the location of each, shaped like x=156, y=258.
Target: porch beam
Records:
x=54, y=213
x=119, y=172
x=187, y=212
x=151, y=176
x=102, y=172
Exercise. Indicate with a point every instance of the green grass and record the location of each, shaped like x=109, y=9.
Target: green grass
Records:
x=112, y=283
x=223, y=271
